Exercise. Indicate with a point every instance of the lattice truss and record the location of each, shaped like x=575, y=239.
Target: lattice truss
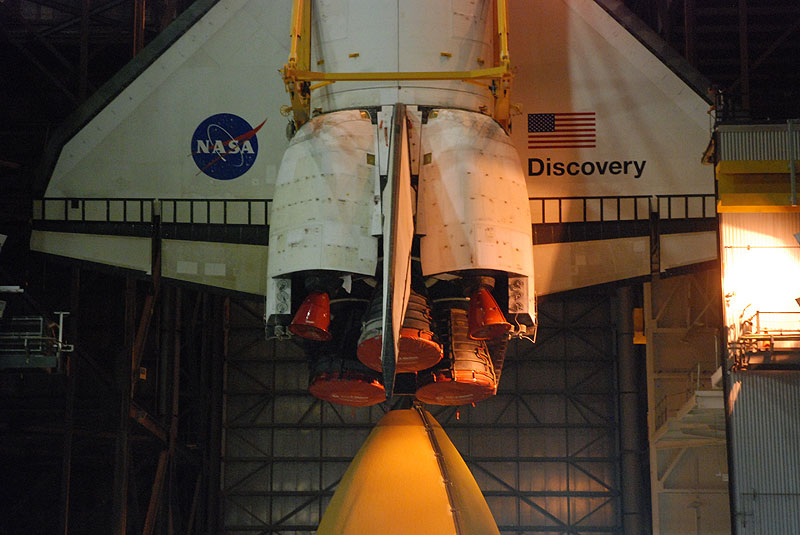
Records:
x=544, y=450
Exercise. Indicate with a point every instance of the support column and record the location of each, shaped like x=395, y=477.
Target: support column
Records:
x=655, y=484
x=655, y=237
x=630, y=436
x=690, y=31
x=220, y=317
x=139, y=13
x=71, y=370
x=83, y=62
x=744, y=56
x=171, y=346
x=176, y=394
x=122, y=382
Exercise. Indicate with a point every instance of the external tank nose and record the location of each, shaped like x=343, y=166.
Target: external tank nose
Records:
x=408, y=479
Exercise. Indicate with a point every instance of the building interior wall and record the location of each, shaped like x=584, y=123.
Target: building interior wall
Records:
x=544, y=451
x=253, y=452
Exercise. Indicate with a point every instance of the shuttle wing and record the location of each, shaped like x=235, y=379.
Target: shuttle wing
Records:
x=184, y=145
x=611, y=129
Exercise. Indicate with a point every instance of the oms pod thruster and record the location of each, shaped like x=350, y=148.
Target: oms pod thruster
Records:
x=393, y=164
x=341, y=229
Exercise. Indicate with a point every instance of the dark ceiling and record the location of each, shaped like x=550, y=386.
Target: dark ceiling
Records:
x=748, y=49
x=55, y=53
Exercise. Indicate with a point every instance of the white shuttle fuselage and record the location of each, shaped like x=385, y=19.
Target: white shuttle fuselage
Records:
x=398, y=181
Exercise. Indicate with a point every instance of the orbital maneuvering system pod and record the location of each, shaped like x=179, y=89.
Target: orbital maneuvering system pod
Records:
x=400, y=234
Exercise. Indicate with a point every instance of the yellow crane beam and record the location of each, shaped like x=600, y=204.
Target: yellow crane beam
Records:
x=298, y=77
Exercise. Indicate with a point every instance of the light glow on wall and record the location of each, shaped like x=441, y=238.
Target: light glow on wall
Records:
x=760, y=268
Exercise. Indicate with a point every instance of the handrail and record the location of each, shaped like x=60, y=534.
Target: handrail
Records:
x=769, y=335
x=666, y=408
x=142, y=210
x=598, y=208
x=544, y=210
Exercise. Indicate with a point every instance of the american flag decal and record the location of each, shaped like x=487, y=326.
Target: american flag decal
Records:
x=562, y=130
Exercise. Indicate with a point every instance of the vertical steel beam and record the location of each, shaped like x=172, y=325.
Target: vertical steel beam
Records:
x=662, y=22
x=83, y=62
x=71, y=370
x=167, y=456
x=651, y=323
x=139, y=8
x=220, y=319
x=176, y=373
x=169, y=14
x=790, y=135
x=567, y=400
x=744, y=56
x=123, y=387
x=176, y=391
x=165, y=348
x=690, y=31
x=630, y=437
x=655, y=237
x=205, y=382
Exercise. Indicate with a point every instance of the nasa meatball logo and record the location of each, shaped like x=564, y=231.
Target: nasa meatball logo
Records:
x=225, y=146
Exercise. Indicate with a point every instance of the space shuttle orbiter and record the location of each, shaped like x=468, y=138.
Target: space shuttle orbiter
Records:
x=391, y=235
x=401, y=196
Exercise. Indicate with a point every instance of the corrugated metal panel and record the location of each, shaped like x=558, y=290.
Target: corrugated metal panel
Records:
x=765, y=451
x=760, y=263
x=756, y=142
